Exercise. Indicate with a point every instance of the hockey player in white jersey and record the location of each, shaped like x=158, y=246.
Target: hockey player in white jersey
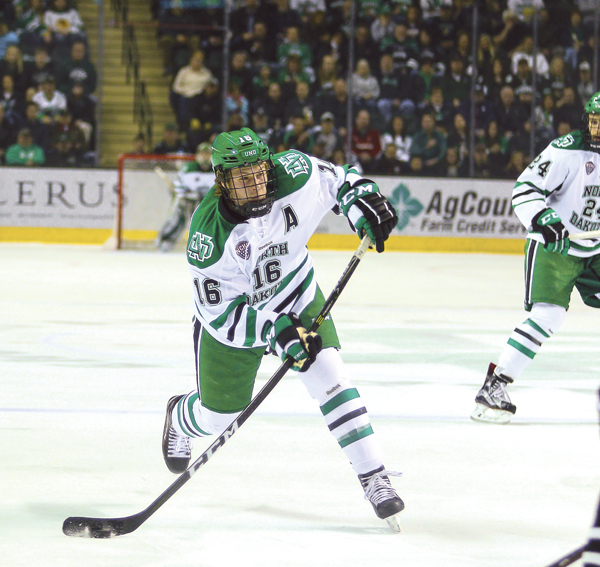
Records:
x=558, y=193
x=191, y=185
x=254, y=290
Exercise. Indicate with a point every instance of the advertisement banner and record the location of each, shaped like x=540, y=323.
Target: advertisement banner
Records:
x=438, y=207
x=60, y=198
x=87, y=198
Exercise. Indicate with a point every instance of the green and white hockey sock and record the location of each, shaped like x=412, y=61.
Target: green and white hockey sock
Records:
x=527, y=338
x=344, y=412
x=349, y=423
x=192, y=419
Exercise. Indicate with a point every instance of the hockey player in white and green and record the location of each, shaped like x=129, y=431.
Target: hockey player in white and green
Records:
x=191, y=185
x=558, y=193
x=255, y=291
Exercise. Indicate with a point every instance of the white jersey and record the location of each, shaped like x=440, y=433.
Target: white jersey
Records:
x=566, y=178
x=246, y=273
x=192, y=182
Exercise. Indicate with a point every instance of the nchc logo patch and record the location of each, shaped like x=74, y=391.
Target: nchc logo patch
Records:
x=243, y=249
x=201, y=247
x=294, y=164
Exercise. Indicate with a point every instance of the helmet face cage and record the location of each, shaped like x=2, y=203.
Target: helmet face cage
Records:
x=249, y=190
x=245, y=172
x=590, y=123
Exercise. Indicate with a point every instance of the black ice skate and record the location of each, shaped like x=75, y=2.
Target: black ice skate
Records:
x=492, y=402
x=380, y=493
x=177, y=449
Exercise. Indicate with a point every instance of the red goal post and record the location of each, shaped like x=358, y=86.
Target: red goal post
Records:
x=144, y=197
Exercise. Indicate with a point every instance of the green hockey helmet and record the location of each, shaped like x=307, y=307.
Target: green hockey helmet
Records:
x=245, y=172
x=590, y=123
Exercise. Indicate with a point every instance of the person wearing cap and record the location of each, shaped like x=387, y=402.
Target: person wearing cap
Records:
x=327, y=137
x=585, y=85
x=260, y=125
x=49, y=100
x=170, y=143
x=25, y=152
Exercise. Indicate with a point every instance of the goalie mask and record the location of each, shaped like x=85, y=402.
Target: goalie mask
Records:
x=203, y=152
x=244, y=170
x=590, y=123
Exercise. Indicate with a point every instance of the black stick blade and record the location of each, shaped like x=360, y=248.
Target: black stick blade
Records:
x=99, y=527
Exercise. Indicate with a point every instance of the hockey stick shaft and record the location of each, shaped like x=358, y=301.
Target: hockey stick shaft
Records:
x=570, y=558
x=160, y=172
x=109, y=527
x=584, y=235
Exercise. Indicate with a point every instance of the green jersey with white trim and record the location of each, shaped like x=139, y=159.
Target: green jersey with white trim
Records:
x=192, y=182
x=245, y=273
x=566, y=178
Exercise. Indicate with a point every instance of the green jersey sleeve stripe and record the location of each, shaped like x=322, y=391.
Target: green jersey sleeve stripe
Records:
x=515, y=205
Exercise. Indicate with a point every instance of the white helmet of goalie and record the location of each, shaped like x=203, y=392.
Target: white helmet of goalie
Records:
x=203, y=153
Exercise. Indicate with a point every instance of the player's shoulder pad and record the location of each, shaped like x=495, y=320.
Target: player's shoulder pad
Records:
x=571, y=141
x=292, y=170
x=209, y=232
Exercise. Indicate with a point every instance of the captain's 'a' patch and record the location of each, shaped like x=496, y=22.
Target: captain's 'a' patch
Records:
x=290, y=217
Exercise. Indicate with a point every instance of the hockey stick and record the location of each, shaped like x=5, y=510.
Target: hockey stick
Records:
x=160, y=172
x=584, y=235
x=570, y=558
x=110, y=527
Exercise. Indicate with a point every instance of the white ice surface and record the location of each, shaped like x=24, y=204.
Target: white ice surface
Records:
x=93, y=343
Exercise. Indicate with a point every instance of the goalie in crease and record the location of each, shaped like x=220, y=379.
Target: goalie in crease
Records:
x=555, y=195
x=193, y=182
x=255, y=292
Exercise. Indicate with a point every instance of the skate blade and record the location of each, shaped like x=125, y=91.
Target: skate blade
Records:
x=392, y=521
x=484, y=414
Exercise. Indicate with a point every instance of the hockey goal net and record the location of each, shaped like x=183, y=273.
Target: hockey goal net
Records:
x=144, y=198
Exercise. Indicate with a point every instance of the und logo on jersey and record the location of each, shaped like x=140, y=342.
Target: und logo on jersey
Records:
x=201, y=247
x=242, y=249
x=294, y=164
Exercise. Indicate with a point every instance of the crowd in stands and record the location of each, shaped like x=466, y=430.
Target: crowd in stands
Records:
x=47, y=105
x=411, y=82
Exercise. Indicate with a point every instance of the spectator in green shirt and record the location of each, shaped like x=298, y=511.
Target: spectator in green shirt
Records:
x=429, y=144
x=25, y=152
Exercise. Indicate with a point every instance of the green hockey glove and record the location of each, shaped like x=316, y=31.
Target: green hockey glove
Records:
x=369, y=211
x=287, y=337
x=550, y=226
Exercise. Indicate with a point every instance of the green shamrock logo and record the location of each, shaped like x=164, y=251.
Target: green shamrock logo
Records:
x=405, y=205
